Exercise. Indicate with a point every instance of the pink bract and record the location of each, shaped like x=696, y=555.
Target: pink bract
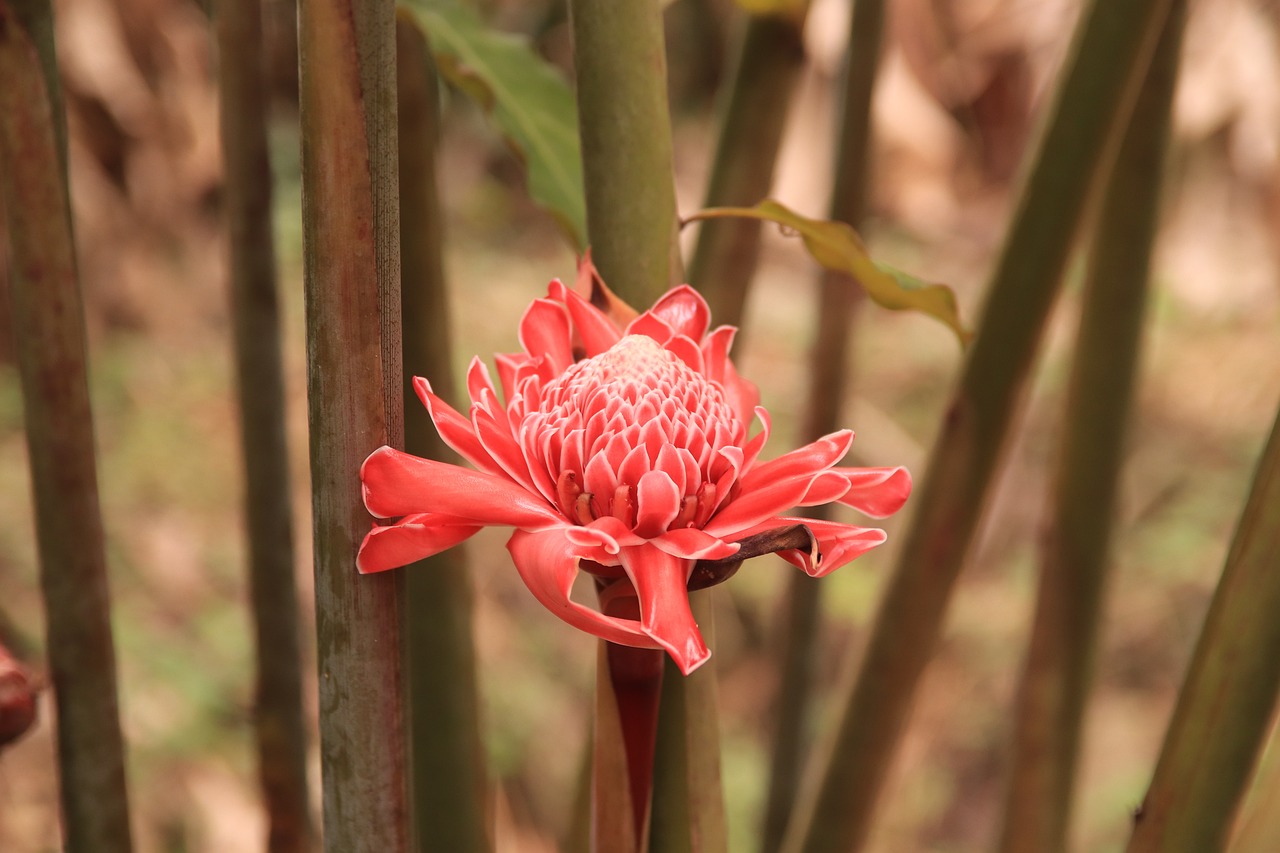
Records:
x=622, y=450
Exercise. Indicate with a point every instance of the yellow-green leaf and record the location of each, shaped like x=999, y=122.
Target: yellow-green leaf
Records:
x=837, y=246
x=528, y=99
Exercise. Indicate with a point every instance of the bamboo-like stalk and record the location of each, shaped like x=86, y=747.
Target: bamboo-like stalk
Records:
x=1112, y=49
x=1258, y=826
x=1074, y=557
x=839, y=298
x=49, y=332
x=768, y=58
x=1220, y=723
x=449, y=787
x=688, y=798
x=620, y=66
x=278, y=715
x=351, y=254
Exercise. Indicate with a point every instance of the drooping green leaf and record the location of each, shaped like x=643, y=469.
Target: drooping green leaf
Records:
x=528, y=99
x=837, y=246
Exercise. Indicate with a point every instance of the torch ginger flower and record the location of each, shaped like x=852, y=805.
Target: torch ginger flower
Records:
x=622, y=450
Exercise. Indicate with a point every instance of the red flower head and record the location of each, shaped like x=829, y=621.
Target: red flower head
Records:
x=622, y=450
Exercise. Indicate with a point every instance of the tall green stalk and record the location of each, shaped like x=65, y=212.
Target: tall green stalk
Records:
x=829, y=370
x=688, y=797
x=1112, y=49
x=255, y=306
x=351, y=254
x=48, y=318
x=1226, y=704
x=769, y=56
x=1259, y=823
x=1074, y=558
x=620, y=67
x=449, y=789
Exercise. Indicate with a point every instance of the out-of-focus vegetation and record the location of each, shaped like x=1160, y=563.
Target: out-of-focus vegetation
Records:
x=958, y=97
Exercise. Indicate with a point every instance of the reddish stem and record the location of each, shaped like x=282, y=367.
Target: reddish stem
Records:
x=635, y=679
x=17, y=698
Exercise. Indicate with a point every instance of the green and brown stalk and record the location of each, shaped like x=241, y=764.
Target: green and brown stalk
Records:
x=1075, y=546
x=449, y=786
x=351, y=257
x=48, y=318
x=1112, y=49
x=255, y=308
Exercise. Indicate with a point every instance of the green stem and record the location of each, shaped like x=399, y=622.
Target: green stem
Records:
x=1112, y=49
x=1055, y=682
x=769, y=56
x=281, y=735
x=829, y=368
x=449, y=787
x=48, y=317
x=351, y=254
x=620, y=65
x=1259, y=823
x=1220, y=723
x=688, y=798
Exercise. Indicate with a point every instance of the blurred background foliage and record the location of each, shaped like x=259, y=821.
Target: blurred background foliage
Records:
x=961, y=88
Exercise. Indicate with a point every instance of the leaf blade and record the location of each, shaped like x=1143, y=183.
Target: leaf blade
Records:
x=837, y=246
x=529, y=101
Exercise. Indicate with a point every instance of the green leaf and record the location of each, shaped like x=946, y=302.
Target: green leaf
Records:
x=837, y=246
x=528, y=99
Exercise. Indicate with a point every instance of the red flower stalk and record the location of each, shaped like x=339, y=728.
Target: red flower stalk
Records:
x=17, y=699
x=622, y=450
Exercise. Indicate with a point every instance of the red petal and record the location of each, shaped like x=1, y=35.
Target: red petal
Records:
x=591, y=287
x=478, y=381
x=657, y=503
x=742, y=394
x=687, y=351
x=548, y=563
x=660, y=581
x=397, y=483
x=715, y=352
x=694, y=544
x=413, y=538
x=456, y=430
x=495, y=436
x=597, y=332
x=838, y=543
x=755, y=505
x=544, y=330
x=877, y=492
x=807, y=460
x=685, y=311
x=509, y=365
